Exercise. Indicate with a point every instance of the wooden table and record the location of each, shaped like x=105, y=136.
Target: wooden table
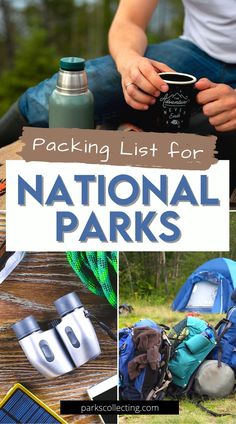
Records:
x=10, y=152
x=32, y=287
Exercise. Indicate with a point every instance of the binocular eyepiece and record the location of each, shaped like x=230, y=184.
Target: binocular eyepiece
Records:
x=69, y=344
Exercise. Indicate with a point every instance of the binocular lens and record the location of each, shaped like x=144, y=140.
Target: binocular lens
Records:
x=25, y=327
x=68, y=303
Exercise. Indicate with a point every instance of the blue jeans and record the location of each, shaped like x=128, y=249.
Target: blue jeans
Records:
x=104, y=81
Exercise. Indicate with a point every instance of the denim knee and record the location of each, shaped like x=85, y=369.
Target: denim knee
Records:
x=103, y=81
x=33, y=104
x=184, y=56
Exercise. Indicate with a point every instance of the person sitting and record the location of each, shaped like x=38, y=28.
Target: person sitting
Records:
x=126, y=84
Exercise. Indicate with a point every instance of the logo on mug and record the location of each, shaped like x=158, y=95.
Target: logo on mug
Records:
x=174, y=100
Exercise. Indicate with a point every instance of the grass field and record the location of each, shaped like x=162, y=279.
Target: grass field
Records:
x=189, y=413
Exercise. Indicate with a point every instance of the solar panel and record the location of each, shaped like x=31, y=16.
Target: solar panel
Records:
x=22, y=407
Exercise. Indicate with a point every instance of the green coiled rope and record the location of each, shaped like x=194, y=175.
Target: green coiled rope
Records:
x=97, y=271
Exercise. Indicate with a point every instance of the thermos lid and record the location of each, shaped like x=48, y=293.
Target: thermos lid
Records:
x=25, y=327
x=72, y=64
x=67, y=303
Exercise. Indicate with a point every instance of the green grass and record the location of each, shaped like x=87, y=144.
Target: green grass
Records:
x=189, y=413
x=161, y=314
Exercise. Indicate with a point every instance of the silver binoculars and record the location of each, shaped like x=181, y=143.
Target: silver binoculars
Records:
x=68, y=345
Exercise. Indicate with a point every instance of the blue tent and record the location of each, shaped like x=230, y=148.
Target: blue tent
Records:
x=209, y=288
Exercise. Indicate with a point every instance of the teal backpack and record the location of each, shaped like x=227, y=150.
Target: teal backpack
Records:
x=192, y=340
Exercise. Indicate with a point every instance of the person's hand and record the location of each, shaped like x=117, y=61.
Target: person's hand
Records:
x=219, y=104
x=141, y=83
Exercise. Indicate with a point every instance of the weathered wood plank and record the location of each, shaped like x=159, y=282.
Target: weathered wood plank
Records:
x=31, y=289
x=11, y=151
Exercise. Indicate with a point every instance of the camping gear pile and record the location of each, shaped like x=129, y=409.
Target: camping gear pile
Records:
x=193, y=359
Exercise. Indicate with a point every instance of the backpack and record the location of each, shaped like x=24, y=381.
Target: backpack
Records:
x=140, y=379
x=225, y=351
x=192, y=340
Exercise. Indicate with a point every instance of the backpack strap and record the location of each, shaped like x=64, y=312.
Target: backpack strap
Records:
x=223, y=321
x=177, y=334
x=177, y=392
x=165, y=327
x=218, y=337
x=154, y=392
x=165, y=376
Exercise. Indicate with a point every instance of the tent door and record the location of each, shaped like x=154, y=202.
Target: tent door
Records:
x=203, y=295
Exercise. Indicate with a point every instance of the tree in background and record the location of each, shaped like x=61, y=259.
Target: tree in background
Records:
x=8, y=32
x=30, y=67
x=161, y=274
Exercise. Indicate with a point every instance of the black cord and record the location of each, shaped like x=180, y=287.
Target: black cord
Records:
x=105, y=327
x=213, y=413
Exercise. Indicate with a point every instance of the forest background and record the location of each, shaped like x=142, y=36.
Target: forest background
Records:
x=34, y=34
x=155, y=277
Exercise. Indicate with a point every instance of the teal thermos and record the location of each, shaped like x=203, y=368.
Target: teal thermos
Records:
x=71, y=103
